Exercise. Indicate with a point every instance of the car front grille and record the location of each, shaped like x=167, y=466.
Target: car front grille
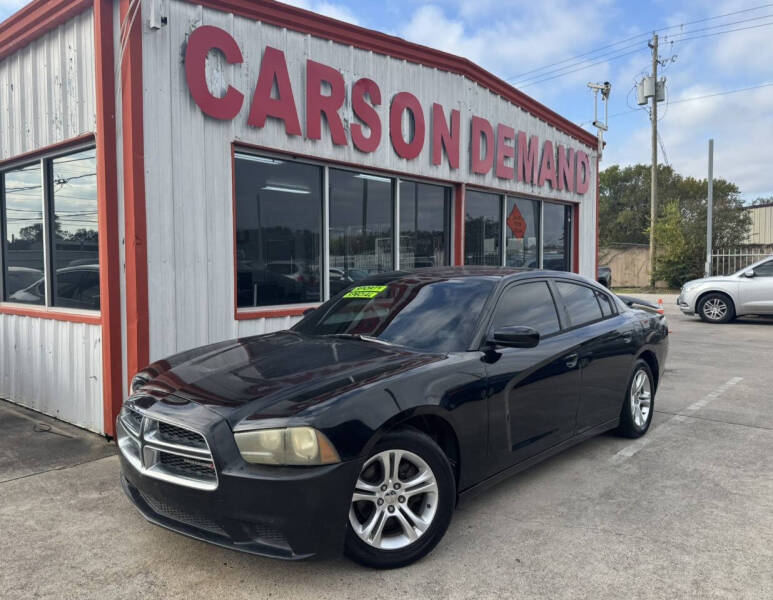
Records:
x=175, y=513
x=166, y=450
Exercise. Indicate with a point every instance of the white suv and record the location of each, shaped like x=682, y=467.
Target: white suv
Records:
x=721, y=299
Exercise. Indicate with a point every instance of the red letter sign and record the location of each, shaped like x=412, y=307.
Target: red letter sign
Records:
x=401, y=102
x=200, y=42
x=505, y=151
x=565, y=169
x=547, y=169
x=316, y=103
x=442, y=137
x=481, y=128
x=527, y=158
x=582, y=164
x=367, y=114
x=274, y=67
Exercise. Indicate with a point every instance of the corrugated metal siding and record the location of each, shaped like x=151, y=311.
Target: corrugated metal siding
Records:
x=761, y=231
x=54, y=367
x=47, y=90
x=48, y=95
x=188, y=163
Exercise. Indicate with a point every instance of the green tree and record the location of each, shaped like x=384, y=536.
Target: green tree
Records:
x=624, y=217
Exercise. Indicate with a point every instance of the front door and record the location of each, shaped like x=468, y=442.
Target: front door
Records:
x=534, y=391
x=757, y=292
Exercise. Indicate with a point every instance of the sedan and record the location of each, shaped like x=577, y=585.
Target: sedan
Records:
x=723, y=298
x=362, y=427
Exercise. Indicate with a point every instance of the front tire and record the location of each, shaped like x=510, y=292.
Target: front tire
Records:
x=402, y=503
x=716, y=308
x=639, y=403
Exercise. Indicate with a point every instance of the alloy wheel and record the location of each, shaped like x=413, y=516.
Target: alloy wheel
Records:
x=395, y=500
x=715, y=309
x=641, y=398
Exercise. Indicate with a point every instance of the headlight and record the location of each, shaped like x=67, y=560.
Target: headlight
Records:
x=138, y=381
x=291, y=446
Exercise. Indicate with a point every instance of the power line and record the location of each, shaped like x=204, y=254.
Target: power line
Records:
x=539, y=71
x=691, y=99
x=705, y=35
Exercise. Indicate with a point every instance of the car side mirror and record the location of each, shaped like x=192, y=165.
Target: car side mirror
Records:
x=515, y=337
x=749, y=273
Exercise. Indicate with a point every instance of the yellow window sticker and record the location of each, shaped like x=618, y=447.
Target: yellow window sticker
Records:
x=365, y=291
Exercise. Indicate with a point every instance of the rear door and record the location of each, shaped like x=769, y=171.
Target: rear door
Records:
x=534, y=391
x=607, y=345
x=757, y=292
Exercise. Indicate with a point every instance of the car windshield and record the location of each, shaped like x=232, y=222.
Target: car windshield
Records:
x=426, y=314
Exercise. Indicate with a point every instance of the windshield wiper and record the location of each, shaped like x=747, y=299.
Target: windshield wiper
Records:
x=359, y=336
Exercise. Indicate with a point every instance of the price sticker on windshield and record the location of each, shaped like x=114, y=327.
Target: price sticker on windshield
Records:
x=365, y=291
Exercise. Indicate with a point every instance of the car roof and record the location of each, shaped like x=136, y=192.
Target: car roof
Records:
x=469, y=271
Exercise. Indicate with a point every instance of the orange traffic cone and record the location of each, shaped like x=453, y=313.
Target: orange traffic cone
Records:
x=661, y=310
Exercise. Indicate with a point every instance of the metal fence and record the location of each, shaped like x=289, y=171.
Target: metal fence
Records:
x=731, y=261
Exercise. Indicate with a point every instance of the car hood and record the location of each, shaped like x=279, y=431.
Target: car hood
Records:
x=277, y=375
x=714, y=279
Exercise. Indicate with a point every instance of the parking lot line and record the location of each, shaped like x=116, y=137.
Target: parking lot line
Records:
x=632, y=448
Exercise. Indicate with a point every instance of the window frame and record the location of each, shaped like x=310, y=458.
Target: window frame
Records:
x=564, y=311
x=290, y=310
x=502, y=197
x=44, y=158
x=497, y=296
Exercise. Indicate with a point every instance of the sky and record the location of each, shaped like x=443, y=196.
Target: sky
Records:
x=514, y=38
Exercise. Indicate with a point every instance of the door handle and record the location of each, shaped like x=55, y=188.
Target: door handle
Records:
x=571, y=360
x=628, y=337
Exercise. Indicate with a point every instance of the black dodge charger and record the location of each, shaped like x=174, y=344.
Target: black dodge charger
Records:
x=362, y=426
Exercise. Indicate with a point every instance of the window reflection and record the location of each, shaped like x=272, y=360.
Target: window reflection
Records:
x=278, y=229
x=424, y=225
x=75, y=231
x=482, y=229
x=361, y=226
x=23, y=243
x=557, y=228
x=522, y=233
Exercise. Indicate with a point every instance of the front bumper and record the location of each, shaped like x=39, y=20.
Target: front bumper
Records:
x=281, y=512
x=684, y=306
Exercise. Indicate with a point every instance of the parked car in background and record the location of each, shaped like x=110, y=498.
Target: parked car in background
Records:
x=75, y=287
x=19, y=278
x=604, y=276
x=361, y=427
x=723, y=298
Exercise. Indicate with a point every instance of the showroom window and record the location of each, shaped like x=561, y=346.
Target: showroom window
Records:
x=288, y=212
x=50, y=239
x=425, y=223
x=482, y=229
x=361, y=225
x=507, y=230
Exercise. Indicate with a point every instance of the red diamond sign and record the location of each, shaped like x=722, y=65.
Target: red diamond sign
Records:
x=516, y=222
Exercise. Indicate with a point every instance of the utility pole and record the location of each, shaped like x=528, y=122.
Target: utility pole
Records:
x=654, y=175
x=710, y=209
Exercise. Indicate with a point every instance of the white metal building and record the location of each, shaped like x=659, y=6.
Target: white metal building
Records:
x=178, y=172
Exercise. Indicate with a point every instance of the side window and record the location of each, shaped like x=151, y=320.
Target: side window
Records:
x=764, y=270
x=606, y=304
x=529, y=304
x=580, y=303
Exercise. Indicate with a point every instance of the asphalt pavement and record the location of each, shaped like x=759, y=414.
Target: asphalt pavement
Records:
x=685, y=512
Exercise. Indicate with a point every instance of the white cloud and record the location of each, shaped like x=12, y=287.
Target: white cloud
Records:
x=329, y=9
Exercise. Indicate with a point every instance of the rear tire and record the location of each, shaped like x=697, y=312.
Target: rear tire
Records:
x=402, y=502
x=716, y=308
x=639, y=402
